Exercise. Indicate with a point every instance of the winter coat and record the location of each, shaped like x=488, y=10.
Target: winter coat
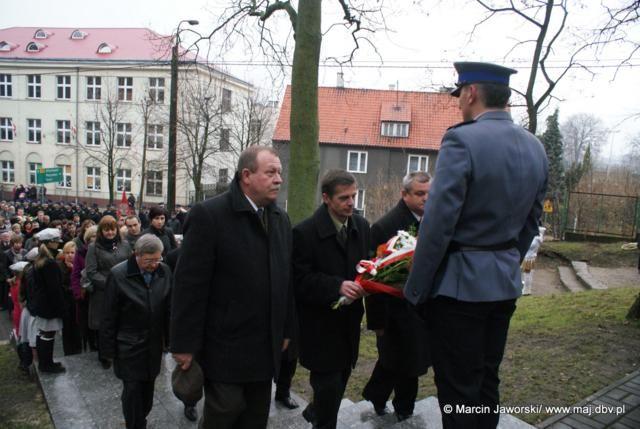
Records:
x=135, y=320
x=404, y=347
x=78, y=266
x=99, y=262
x=329, y=339
x=165, y=235
x=47, y=300
x=232, y=298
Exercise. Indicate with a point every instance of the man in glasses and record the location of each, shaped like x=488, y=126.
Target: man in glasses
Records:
x=134, y=325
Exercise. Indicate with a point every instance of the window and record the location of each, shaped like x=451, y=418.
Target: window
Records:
x=93, y=178
x=156, y=89
x=66, y=176
x=93, y=133
x=123, y=134
x=8, y=172
x=33, y=172
x=359, y=202
x=40, y=34
x=223, y=175
x=6, y=89
x=94, y=87
x=34, y=47
x=105, y=48
x=63, y=87
x=224, y=140
x=125, y=88
x=226, y=100
x=34, y=131
x=6, y=46
x=34, y=86
x=64, y=132
x=155, y=138
x=255, y=131
x=357, y=162
x=6, y=129
x=417, y=163
x=154, y=183
x=395, y=129
x=78, y=35
x=123, y=180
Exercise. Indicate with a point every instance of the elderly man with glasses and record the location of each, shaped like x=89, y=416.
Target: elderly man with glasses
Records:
x=135, y=320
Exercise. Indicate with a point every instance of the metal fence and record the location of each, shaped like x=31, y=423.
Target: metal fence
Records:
x=602, y=214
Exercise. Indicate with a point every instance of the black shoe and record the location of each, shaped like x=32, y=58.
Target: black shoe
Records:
x=52, y=369
x=402, y=417
x=287, y=402
x=309, y=414
x=190, y=413
x=381, y=411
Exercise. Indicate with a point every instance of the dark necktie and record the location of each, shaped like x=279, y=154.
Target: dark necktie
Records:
x=342, y=236
x=262, y=215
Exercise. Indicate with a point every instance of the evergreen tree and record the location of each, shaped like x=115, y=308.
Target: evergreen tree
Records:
x=552, y=141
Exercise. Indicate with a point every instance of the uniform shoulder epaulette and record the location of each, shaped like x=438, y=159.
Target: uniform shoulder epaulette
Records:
x=461, y=124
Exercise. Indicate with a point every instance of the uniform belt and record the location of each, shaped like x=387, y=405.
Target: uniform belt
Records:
x=454, y=246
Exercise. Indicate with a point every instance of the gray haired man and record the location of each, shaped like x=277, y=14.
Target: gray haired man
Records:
x=134, y=324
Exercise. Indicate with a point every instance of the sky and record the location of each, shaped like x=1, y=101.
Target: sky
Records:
x=416, y=51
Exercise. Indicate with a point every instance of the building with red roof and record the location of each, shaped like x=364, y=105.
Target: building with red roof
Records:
x=378, y=135
x=55, y=88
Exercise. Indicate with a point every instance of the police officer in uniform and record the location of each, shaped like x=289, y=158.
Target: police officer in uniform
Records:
x=401, y=335
x=483, y=212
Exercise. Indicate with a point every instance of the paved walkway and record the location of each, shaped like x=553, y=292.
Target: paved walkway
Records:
x=616, y=406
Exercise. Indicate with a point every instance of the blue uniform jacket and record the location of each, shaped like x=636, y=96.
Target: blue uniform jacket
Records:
x=489, y=184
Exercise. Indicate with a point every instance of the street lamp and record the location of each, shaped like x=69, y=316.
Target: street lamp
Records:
x=173, y=119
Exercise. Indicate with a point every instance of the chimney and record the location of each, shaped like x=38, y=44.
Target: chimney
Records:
x=340, y=80
x=392, y=87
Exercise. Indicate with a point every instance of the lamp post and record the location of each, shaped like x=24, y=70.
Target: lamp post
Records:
x=173, y=119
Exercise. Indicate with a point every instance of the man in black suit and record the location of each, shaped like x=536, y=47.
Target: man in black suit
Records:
x=400, y=333
x=327, y=246
x=232, y=302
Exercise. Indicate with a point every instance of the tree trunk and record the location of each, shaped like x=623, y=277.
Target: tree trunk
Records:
x=634, y=311
x=304, y=152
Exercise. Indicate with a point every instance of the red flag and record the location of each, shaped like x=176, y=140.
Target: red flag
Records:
x=123, y=207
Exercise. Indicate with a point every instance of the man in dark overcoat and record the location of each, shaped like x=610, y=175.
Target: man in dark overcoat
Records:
x=401, y=334
x=232, y=300
x=482, y=213
x=327, y=247
x=134, y=322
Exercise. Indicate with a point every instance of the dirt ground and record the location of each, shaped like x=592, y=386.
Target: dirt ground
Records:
x=617, y=277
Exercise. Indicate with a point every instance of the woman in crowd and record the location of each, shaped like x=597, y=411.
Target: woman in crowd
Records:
x=158, y=217
x=108, y=250
x=86, y=236
x=71, y=340
x=48, y=297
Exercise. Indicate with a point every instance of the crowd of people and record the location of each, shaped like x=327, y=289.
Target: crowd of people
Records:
x=247, y=295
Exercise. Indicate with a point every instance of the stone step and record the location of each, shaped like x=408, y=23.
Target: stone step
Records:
x=569, y=280
x=582, y=273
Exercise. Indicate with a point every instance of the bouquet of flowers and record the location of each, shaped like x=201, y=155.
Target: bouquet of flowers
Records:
x=388, y=271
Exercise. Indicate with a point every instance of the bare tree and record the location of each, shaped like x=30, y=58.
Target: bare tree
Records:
x=305, y=23
x=549, y=20
x=108, y=137
x=579, y=132
x=252, y=122
x=201, y=129
x=382, y=196
x=147, y=107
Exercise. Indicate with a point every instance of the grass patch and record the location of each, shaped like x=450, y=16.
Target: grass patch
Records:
x=608, y=255
x=561, y=349
x=22, y=405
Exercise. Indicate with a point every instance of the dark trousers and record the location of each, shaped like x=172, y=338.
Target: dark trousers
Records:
x=384, y=381
x=137, y=400
x=236, y=406
x=287, y=371
x=468, y=340
x=71, y=339
x=328, y=390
